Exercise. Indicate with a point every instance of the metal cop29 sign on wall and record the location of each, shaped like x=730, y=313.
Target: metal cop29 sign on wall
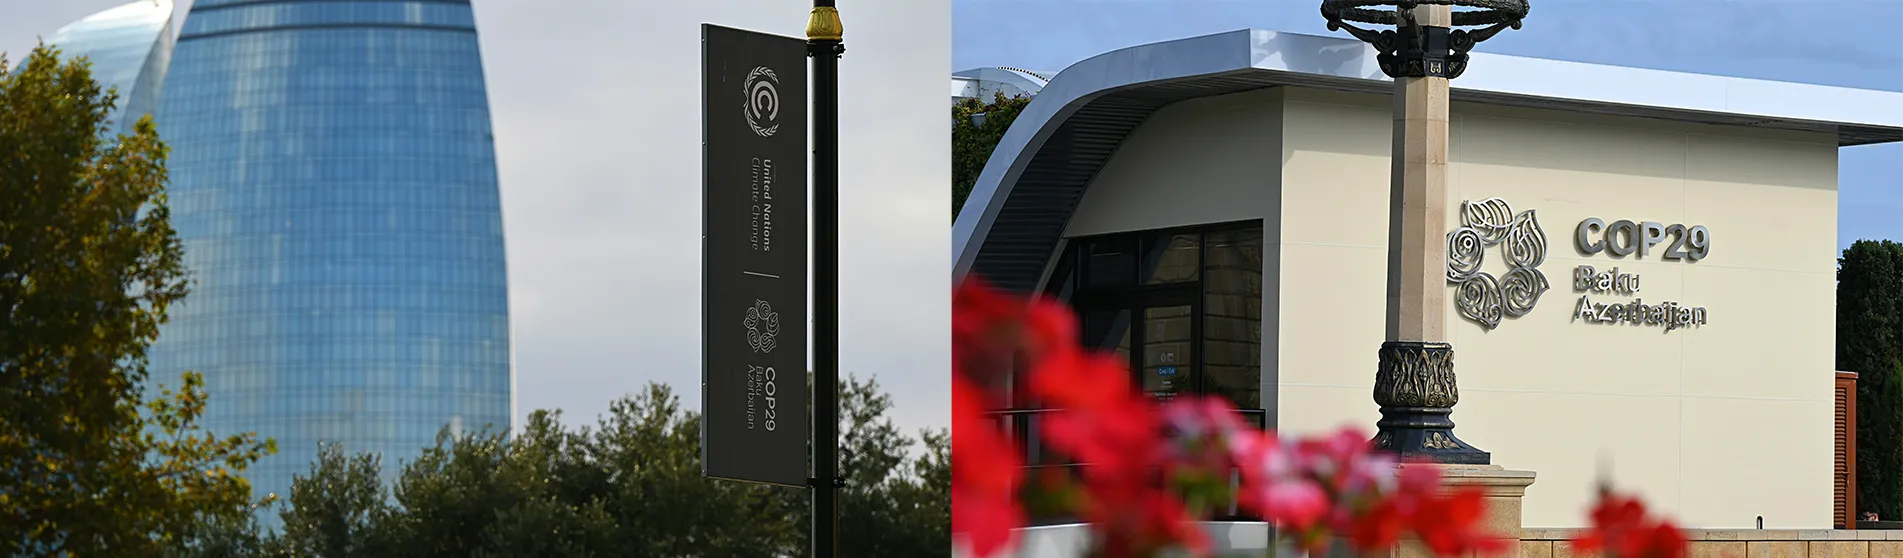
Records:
x=753, y=378
x=1639, y=239
x=1492, y=224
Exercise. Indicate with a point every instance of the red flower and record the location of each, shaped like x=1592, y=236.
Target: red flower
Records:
x=1075, y=380
x=1621, y=529
x=1450, y=524
x=1100, y=419
x=985, y=476
x=1105, y=442
x=1665, y=541
x=1173, y=523
x=993, y=332
x=1380, y=526
x=1131, y=520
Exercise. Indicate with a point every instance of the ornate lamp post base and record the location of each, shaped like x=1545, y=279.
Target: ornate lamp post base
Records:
x=1416, y=389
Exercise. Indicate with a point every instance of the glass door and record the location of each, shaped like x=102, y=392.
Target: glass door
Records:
x=1156, y=330
x=1166, y=360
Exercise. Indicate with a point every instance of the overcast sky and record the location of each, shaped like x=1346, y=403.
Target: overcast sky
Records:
x=596, y=106
x=1845, y=43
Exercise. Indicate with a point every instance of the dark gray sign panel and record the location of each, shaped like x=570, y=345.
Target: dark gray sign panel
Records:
x=753, y=240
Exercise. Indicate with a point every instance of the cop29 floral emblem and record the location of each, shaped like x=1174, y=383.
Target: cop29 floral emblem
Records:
x=763, y=101
x=763, y=325
x=1479, y=296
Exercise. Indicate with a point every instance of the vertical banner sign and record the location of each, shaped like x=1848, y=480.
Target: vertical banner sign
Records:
x=753, y=240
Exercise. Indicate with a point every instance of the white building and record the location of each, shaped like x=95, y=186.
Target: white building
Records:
x=1216, y=208
x=985, y=83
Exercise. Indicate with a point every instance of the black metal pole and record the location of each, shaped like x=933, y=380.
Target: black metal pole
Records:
x=824, y=43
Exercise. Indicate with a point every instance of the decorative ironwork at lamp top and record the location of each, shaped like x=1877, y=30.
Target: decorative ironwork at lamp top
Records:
x=1479, y=296
x=1412, y=49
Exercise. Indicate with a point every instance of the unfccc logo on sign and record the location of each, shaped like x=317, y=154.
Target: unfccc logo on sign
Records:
x=763, y=101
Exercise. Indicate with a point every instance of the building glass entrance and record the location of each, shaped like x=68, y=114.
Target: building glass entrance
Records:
x=1183, y=306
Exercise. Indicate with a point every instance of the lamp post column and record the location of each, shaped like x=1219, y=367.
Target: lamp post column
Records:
x=1417, y=211
x=1415, y=383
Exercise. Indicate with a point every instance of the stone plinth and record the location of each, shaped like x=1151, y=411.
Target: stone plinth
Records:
x=1504, y=489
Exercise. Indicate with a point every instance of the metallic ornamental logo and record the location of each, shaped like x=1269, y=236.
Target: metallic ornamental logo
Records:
x=763, y=101
x=1479, y=296
x=763, y=325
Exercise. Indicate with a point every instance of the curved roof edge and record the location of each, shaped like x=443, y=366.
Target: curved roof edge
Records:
x=1116, y=90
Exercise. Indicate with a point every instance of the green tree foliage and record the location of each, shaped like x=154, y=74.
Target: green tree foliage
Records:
x=630, y=486
x=337, y=509
x=1870, y=343
x=227, y=537
x=972, y=143
x=89, y=265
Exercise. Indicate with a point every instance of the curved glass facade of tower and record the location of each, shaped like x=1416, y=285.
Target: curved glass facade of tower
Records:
x=130, y=47
x=334, y=184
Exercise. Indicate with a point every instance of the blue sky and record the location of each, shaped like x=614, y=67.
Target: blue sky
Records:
x=1827, y=42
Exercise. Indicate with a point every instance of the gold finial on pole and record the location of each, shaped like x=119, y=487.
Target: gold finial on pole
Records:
x=824, y=25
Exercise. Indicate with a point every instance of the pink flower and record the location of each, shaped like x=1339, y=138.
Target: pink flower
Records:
x=1418, y=479
x=1297, y=503
x=1204, y=431
x=1373, y=472
x=1262, y=456
x=1203, y=416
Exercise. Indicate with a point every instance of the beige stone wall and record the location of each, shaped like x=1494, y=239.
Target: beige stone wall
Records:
x=1715, y=425
x=1201, y=161
x=1746, y=543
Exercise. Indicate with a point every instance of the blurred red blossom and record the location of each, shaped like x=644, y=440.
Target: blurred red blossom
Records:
x=1622, y=528
x=1148, y=470
x=985, y=476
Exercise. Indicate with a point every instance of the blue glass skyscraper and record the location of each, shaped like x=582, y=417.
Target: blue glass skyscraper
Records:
x=334, y=184
x=130, y=47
